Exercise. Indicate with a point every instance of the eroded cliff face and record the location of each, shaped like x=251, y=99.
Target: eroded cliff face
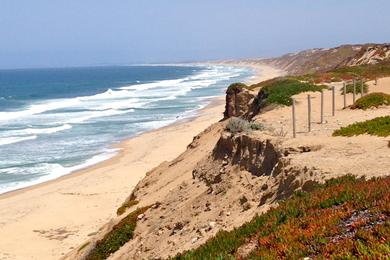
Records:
x=264, y=160
x=219, y=183
x=257, y=156
x=370, y=54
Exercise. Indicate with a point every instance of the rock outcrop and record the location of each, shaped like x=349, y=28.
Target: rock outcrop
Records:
x=238, y=100
x=370, y=54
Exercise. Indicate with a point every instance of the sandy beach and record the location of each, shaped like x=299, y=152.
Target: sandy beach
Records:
x=50, y=219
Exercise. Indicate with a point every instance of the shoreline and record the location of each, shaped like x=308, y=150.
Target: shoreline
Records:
x=121, y=150
x=260, y=73
x=53, y=217
x=117, y=145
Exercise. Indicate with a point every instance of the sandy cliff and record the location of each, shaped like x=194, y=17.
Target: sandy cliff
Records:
x=224, y=179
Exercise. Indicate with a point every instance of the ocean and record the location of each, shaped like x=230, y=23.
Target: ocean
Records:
x=56, y=121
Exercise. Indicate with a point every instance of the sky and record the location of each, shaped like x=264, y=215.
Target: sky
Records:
x=62, y=33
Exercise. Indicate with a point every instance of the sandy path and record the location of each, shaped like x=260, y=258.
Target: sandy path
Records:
x=358, y=155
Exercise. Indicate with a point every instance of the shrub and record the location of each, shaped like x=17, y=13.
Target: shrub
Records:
x=372, y=100
x=120, y=235
x=122, y=209
x=345, y=218
x=358, y=89
x=379, y=126
x=131, y=201
x=280, y=91
x=238, y=125
x=236, y=87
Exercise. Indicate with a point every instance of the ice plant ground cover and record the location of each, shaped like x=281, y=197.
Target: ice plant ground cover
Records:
x=343, y=218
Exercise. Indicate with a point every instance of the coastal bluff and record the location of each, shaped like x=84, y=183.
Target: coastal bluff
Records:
x=249, y=162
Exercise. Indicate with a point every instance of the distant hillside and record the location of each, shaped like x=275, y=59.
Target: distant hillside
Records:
x=322, y=60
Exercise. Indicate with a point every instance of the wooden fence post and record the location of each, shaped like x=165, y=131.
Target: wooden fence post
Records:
x=293, y=119
x=333, y=102
x=309, y=112
x=322, y=106
x=345, y=94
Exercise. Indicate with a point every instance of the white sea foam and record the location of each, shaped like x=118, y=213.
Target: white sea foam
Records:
x=39, y=108
x=35, y=131
x=107, y=95
x=95, y=102
x=116, y=99
x=50, y=171
x=15, y=139
x=85, y=116
x=162, y=83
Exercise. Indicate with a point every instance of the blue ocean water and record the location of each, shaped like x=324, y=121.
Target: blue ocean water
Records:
x=55, y=121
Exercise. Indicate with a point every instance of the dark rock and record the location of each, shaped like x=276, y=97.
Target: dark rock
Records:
x=238, y=101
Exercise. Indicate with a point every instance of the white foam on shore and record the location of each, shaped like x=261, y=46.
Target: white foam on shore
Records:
x=29, y=131
x=13, y=139
x=54, y=171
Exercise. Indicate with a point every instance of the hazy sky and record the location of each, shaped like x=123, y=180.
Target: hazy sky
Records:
x=57, y=33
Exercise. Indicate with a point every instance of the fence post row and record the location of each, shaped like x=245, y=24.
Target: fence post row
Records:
x=333, y=89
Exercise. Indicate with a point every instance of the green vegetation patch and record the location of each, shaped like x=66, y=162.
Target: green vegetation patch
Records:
x=120, y=235
x=379, y=126
x=131, y=201
x=238, y=125
x=236, y=87
x=368, y=71
x=281, y=90
x=358, y=88
x=371, y=100
x=345, y=218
